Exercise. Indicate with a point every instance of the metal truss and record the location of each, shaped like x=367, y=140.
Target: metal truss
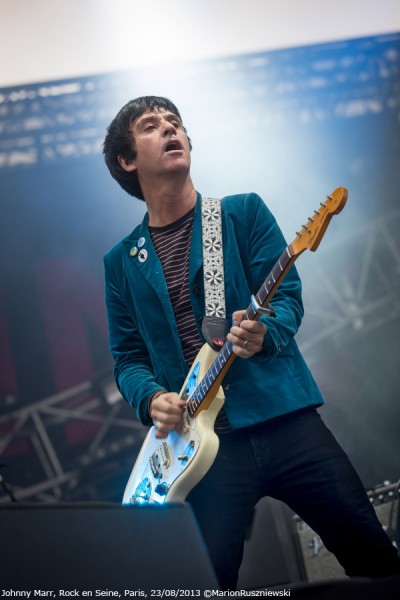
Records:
x=49, y=468
x=360, y=292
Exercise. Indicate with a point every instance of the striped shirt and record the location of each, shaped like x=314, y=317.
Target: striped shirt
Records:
x=172, y=245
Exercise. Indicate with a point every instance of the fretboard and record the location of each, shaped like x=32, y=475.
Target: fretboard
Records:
x=225, y=356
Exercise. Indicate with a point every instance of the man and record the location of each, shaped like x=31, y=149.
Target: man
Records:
x=272, y=440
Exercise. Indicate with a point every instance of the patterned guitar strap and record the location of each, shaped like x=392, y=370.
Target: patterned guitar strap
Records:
x=214, y=325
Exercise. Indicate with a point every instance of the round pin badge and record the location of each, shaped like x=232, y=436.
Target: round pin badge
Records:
x=141, y=242
x=142, y=255
x=133, y=251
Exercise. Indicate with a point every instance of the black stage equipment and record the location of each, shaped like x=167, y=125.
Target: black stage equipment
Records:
x=103, y=547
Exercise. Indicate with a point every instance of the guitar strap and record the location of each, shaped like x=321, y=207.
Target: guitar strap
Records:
x=214, y=325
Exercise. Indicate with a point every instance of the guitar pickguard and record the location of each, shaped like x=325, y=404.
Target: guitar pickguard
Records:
x=164, y=463
x=167, y=469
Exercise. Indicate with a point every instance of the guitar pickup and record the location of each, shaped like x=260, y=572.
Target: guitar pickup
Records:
x=166, y=457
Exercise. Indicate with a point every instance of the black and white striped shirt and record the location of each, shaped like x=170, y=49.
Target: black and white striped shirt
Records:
x=172, y=245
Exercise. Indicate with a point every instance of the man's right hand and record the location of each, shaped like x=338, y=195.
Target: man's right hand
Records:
x=166, y=410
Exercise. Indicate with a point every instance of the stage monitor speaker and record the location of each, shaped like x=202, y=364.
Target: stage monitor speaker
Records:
x=318, y=563
x=102, y=547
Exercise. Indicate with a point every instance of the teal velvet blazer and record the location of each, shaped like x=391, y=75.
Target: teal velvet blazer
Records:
x=143, y=336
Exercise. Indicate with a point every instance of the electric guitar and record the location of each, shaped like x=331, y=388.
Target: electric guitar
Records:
x=167, y=469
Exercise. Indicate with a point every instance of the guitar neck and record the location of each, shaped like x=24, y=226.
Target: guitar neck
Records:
x=309, y=237
x=271, y=284
x=215, y=374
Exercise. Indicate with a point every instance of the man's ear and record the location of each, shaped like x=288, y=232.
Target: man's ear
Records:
x=127, y=164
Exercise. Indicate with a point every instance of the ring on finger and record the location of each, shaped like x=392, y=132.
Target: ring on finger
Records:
x=157, y=424
x=245, y=343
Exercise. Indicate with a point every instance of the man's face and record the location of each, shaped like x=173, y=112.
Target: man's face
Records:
x=162, y=146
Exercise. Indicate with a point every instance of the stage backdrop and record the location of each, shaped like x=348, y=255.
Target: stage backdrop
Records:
x=291, y=125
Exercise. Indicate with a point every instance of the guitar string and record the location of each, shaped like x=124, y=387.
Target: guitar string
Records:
x=226, y=351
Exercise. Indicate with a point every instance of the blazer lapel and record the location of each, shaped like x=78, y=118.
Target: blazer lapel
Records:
x=149, y=266
x=143, y=257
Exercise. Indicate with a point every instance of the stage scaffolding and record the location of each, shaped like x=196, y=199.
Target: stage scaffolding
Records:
x=35, y=441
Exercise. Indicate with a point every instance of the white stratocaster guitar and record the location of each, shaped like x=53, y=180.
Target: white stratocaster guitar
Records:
x=166, y=470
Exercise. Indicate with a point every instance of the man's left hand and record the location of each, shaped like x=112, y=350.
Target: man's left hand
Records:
x=247, y=336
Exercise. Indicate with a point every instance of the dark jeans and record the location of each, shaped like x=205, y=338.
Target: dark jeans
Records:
x=295, y=459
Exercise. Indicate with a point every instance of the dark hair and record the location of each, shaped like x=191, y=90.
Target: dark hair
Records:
x=119, y=140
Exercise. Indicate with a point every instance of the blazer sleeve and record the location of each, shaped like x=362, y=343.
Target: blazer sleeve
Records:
x=133, y=369
x=265, y=246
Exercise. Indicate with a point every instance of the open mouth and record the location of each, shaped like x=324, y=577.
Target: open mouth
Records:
x=173, y=146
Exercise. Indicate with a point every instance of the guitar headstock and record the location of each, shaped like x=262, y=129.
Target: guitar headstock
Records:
x=311, y=234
